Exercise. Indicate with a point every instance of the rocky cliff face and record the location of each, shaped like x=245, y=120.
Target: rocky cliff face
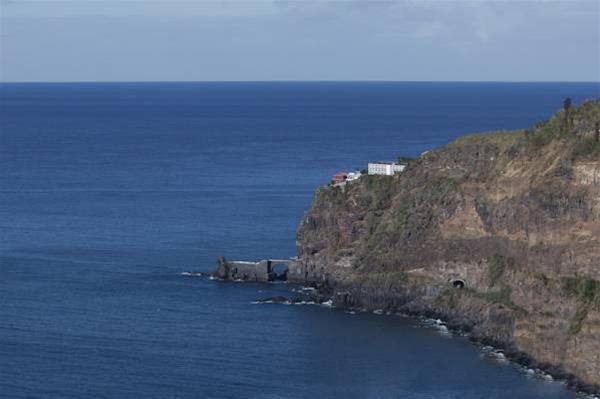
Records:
x=512, y=217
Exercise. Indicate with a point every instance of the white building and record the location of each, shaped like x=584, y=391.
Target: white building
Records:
x=398, y=167
x=353, y=176
x=384, y=168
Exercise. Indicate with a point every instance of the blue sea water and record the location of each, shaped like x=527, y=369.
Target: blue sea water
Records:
x=108, y=192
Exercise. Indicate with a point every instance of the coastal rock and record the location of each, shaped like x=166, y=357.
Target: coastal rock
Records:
x=498, y=234
x=223, y=269
x=243, y=271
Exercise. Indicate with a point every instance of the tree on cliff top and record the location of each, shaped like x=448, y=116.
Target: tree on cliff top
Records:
x=567, y=107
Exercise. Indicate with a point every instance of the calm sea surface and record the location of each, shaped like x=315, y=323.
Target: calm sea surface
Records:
x=108, y=192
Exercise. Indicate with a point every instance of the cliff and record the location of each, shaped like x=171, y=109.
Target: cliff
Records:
x=497, y=233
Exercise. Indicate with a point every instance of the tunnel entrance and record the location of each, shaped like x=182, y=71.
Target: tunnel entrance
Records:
x=458, y=284
x=278, y=271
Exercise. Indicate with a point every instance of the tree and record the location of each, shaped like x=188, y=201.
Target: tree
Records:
x=597, y=135
x=567, y=107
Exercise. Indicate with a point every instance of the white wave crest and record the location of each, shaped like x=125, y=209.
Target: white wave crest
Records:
x=327, y=304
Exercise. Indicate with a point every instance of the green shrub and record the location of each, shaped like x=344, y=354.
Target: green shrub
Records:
x=577, y=320
x=591, y=291
x=586, y=148
x=544, y=133
x=381, y=190
x=503, y=297
x=405, y=160
x=497, y=265
x=587, y=293
x=586, y=290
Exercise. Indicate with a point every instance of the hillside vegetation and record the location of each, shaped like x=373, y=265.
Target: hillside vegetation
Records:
x=514, y=216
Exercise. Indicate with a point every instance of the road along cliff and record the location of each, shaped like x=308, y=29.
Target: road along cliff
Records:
x=498, y=234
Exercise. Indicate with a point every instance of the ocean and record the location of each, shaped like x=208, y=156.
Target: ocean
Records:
x=110, y=191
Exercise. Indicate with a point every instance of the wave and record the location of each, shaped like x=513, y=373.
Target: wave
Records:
x=193, y=274
x=438, y=325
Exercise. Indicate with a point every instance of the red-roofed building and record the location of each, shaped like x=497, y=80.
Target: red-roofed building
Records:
x=339, y=178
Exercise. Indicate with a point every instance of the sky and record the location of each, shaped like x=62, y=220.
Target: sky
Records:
x=249, y=40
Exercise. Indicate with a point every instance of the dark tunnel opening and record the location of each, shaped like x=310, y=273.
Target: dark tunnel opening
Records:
x=278, y=272
x=458, y=284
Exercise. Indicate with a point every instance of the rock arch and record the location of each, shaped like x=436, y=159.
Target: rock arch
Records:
x=277, y=270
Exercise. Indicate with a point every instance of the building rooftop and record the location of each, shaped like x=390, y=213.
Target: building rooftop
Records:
x=387, y=162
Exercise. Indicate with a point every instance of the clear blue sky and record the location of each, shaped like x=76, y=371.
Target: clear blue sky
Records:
x=148, y=40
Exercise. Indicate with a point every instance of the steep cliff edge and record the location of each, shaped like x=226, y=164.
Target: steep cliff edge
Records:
x=512, y=217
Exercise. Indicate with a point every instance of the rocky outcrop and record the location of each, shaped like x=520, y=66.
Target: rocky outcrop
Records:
x=244, y=271
x=260, y=271
x=499, y=234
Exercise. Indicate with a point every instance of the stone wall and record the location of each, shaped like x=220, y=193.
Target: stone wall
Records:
x=251, y=271
x=247, y=271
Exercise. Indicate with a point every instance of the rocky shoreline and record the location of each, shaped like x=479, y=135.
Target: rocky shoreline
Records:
x=325, y=296
x=459, y=327
x=497, y=234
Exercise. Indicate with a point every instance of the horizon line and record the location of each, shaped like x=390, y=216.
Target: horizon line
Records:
x=293, y=81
